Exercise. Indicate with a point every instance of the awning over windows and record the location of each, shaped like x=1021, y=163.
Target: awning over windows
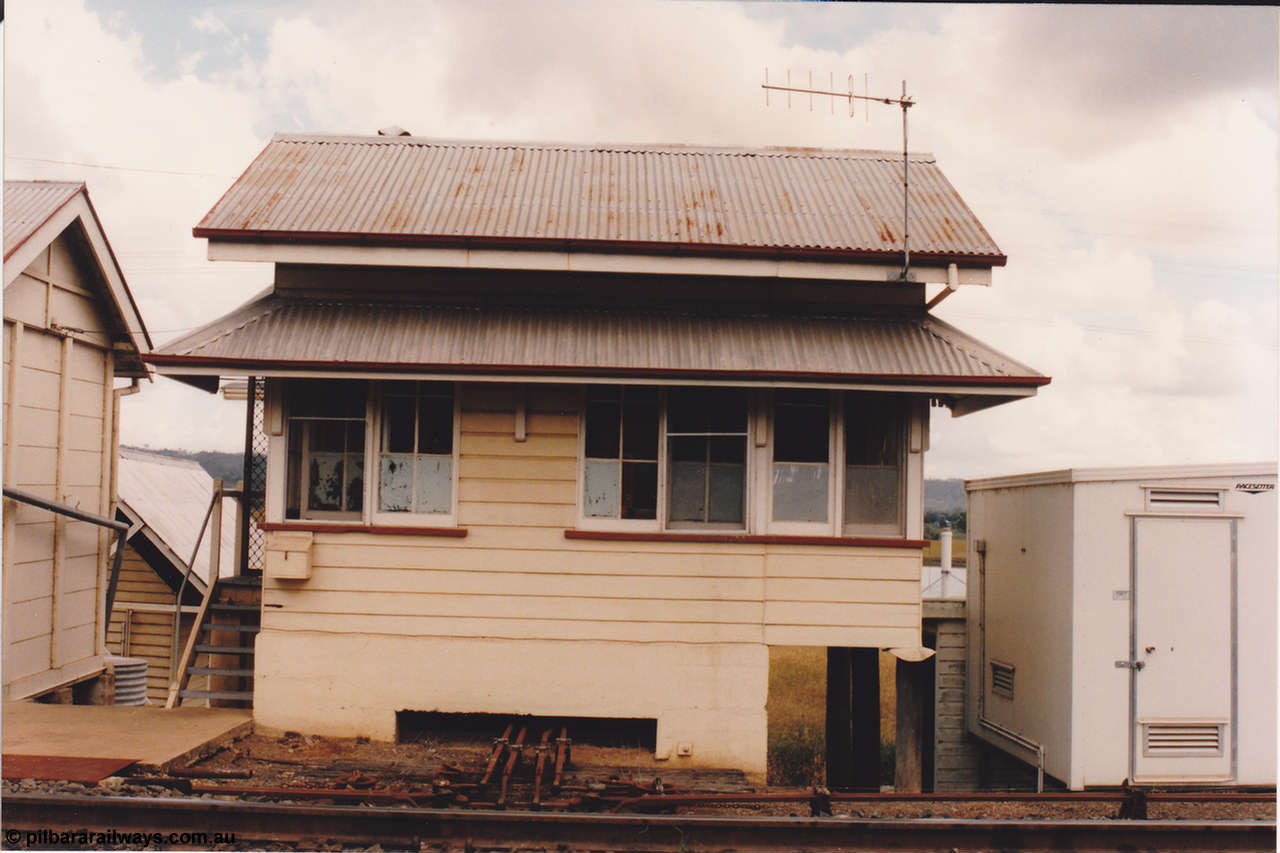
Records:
x=277, y=336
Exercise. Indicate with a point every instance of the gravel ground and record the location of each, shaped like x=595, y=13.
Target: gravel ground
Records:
x=310, y=761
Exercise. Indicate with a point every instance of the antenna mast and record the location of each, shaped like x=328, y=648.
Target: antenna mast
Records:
x=905, y=102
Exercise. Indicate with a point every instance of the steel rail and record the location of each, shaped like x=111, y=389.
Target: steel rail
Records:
x=465, y=829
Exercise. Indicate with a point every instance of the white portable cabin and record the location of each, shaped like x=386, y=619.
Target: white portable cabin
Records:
x=1123, y=623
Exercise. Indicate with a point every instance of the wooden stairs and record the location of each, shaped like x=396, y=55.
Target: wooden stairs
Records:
x=221, y=646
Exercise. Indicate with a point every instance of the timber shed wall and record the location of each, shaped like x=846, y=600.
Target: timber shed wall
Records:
x=58, y=445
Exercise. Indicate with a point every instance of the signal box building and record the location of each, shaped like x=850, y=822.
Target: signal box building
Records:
x=582, y=431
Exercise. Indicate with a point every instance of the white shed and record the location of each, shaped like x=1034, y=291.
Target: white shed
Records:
x=1123, y=622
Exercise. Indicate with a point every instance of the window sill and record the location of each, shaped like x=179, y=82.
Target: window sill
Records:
x=745, y=539
x=340, y=527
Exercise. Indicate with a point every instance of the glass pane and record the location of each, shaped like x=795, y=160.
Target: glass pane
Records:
x=397, y=425
x=724, y=449
x=640, y=431
x=871, y=495
x=800, y=433
x=688, y=491
x=355, y=437
x=727, y=491
x=600, y=490
x=602, y=431
x=435, y=425
x=800, y=492
x=596, y=393
x=873, y=429
x=688, y=449
x=313, y=398
x=325, y=482
x=327, y=436
x=395, y=483
x=355, y=480
x=706, y=410
x=639, y=489
x=435, y=484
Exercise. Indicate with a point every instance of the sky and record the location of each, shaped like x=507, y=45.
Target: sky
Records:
x=1123, y=158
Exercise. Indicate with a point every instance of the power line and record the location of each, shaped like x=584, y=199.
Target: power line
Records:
x=118, y=168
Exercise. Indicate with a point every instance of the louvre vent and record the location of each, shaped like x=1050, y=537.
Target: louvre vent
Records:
x=1182, y=738
x=1173, y=498
x=1002, y=679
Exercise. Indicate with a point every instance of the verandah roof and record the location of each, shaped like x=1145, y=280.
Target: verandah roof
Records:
x=275, y=335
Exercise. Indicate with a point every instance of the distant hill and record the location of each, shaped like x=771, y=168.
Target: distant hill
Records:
x=228, y=466
x=944, y=495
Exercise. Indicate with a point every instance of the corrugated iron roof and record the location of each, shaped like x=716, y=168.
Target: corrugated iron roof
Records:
x=412, y=190
x=29, y=204
x=171, y=496
x=274, y=330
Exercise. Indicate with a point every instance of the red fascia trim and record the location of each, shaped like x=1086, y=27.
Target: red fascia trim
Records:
x=745, y=539
x=539, y=370
x=343, y=238
x=320, y=527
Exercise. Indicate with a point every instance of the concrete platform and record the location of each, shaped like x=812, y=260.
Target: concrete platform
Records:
x=156, y=738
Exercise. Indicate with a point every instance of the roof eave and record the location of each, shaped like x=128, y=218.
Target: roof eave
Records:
x=561, y=244
x=177, y=365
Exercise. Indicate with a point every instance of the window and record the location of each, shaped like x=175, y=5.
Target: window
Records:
x=875, y=428
x=707, y=449
x=621, y=451
x=325, y=477
x=415, y=448
x=411, y=425
x=801, y=455
x=685, y=458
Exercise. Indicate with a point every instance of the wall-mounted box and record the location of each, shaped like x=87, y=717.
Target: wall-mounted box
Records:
x=288, y=555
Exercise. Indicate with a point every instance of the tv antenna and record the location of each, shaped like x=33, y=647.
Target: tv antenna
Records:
x=905, y=102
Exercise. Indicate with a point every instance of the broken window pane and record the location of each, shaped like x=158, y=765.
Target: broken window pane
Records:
x=435, y=425
x=640, y=430
x=600, y=492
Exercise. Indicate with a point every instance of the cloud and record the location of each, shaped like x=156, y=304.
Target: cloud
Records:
x=1124, y=159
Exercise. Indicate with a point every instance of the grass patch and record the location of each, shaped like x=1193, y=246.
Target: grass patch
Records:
x=797, y=709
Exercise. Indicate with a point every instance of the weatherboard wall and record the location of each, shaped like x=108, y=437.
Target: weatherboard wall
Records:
x=516, y=617
x=58, y=445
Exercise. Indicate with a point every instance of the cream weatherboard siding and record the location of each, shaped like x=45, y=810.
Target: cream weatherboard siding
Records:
x=675, y=631
x=58, y=445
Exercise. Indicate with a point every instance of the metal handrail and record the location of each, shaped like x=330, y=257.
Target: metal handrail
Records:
x=119, y=527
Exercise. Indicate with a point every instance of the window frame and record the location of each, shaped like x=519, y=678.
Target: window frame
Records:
x=758, y=509
x=373, y=451
x=278, y=404
x=835, y=473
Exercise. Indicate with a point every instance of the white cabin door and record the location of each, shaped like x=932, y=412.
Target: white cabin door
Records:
x=1183, y=670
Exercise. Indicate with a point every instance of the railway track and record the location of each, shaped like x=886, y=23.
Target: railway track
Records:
x=431, y=829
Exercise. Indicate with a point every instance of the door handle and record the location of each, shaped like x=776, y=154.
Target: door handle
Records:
x=1130, y=664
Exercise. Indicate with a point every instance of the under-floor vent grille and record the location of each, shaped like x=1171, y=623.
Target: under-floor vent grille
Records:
x=1182, y=738
x=1002, y=679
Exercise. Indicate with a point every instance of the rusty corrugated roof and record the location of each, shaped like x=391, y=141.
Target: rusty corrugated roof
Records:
x=29, y=204
x=413, y=190
x=277, y=332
